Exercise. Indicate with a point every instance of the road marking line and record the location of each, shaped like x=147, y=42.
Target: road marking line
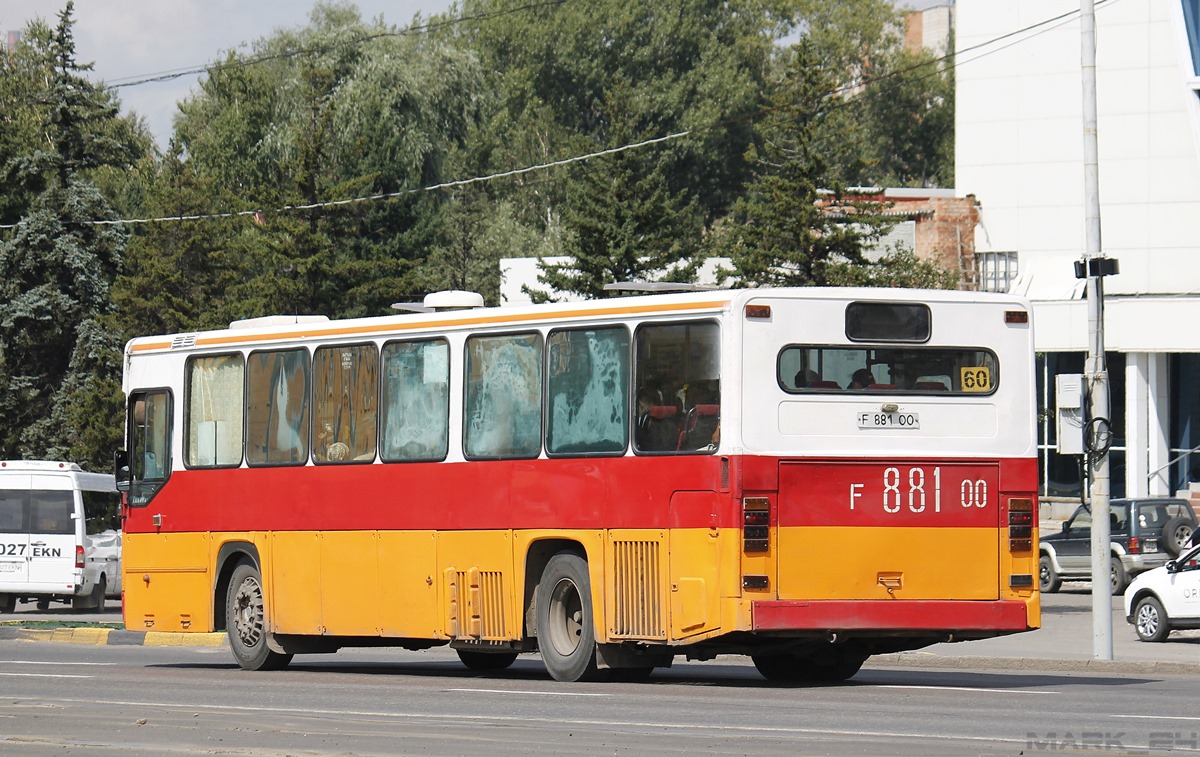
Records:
x=958, y=688
x=434, y=718
x=1158, y=717
x=533, y=693
x=42, y=675
x=47, y=662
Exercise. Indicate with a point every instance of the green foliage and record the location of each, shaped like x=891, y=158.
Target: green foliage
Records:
x=898, y=268
x=337, y=109
x=578, y=77
x=794, y=222
x=56, y=269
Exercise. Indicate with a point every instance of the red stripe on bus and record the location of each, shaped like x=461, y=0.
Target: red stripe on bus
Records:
x=893, y=614
x=893, y=493
x=571, y=493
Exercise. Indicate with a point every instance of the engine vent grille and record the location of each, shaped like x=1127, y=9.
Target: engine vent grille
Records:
x=639, y=611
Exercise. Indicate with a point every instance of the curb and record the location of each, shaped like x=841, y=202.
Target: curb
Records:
x=115, y=637
x=1032, y=664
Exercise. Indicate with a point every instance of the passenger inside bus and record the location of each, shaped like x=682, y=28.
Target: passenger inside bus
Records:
x=861, y=379
x=806, y=378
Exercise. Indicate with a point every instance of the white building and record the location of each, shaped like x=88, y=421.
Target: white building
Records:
x=1019, y=132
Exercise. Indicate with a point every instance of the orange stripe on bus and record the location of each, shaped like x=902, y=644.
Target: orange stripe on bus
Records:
x=427, y=325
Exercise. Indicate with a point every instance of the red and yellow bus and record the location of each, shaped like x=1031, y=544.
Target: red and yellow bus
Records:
x=805, y=476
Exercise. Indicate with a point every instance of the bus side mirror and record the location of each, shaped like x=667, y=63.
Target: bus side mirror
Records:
x=121, y=469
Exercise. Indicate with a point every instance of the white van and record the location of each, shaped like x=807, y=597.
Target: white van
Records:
x=46, y=551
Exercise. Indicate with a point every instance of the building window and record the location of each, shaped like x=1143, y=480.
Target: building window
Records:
x=1191, y=20
x=995, y=271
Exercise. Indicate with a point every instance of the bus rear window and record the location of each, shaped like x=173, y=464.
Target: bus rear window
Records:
x=913, y=370
x=887, y=322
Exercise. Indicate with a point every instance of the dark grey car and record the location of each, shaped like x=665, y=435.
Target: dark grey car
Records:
x=1145, y=533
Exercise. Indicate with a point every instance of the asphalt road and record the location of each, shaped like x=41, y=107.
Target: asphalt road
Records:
x=1025, y=694
x=76, y=699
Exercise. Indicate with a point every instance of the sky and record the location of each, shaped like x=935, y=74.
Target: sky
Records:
x=128, y=39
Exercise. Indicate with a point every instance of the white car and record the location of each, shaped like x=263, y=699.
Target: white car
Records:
x=1166, y=599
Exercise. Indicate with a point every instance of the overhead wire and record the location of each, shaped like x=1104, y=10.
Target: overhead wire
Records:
x=258, y=213
x=420, y=28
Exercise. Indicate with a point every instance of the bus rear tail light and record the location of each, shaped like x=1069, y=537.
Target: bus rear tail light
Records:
x=1020, y=525
x=756, y=524
x=78, y=555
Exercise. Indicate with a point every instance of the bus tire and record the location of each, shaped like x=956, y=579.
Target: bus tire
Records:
x=486, y=661
x=566, y=629
x=783, y=667
x=840, y=668
x=8, y=603
x=246, y=622
x=1048, y=577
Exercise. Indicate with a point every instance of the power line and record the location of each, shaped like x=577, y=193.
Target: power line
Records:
x=218, y=67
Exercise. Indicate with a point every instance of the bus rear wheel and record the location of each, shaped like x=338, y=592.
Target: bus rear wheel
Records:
x=486, y=661
x=783, y=667
x=787, y=667
x=246, y=622
x=566, y=629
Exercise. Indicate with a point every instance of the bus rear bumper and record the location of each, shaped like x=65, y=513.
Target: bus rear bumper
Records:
x=1000, y=616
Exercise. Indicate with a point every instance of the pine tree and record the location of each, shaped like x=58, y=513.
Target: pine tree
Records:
x=795, y=220
x=57, y=356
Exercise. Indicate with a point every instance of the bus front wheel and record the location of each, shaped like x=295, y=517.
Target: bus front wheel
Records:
x=566, y=629
x=246, y=622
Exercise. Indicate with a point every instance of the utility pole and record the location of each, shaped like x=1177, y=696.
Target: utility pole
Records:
x=1097, y=430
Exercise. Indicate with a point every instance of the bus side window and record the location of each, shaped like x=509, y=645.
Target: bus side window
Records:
x=277, y=407
x=588, y=388
x=416, y=401
x=677, y=366
x=149, y=444
x=345, y=390
x=213, y=411
x=503, y=399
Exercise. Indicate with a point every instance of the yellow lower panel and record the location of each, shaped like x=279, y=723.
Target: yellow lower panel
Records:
x=408, y=581
x=350, y=597
x=695, y=588
x=880, y=563
x=167, y=582
x=294, y=585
